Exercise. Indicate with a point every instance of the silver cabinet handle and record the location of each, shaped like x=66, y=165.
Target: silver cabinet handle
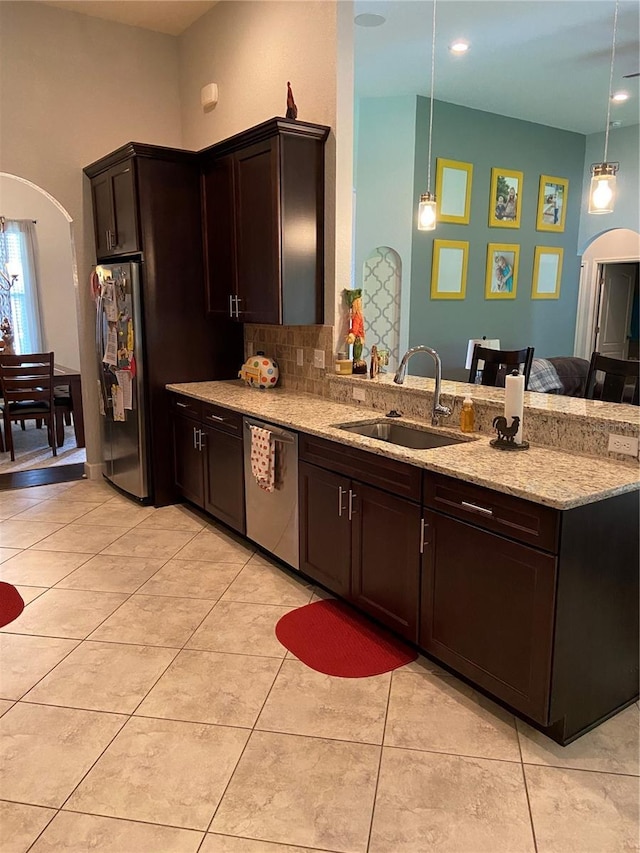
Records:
x=423, y=530
x=352, y=496
x=200, y=439
x=216, y=418
x=182, y=405
x=108, y=238
x=476, y=508
x=231, y=305
x=341, y=492
x=238, y=301
x=195, y=438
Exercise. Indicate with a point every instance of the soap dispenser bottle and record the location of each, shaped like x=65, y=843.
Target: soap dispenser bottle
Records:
x=467, y=415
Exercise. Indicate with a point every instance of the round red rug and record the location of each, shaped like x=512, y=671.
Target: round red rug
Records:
x=332, y=638
x=11, y=603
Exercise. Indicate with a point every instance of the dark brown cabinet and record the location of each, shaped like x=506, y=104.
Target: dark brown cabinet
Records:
x=115, y=213
x=357, y=539
x=263, y=210
x=208, y=463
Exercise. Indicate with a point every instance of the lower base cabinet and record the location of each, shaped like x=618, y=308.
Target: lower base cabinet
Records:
x=208, y=459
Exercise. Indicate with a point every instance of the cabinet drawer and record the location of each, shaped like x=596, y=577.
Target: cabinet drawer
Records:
x=186, y=406
x=516, y=518
x=387, y=474
x=224, y=419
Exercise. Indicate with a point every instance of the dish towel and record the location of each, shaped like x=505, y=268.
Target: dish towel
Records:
x=263, y=458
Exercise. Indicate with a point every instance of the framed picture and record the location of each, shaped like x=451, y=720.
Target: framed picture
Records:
x=552, y=203
x=449, y=269
x=505, y=198
x=502, y=271
x=453, y=191
x=547, y=272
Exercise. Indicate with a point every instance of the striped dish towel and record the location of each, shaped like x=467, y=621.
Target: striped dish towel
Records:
x=263, y=458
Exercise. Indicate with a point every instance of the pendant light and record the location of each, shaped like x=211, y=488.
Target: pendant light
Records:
x=427, y=207
x=602, y=191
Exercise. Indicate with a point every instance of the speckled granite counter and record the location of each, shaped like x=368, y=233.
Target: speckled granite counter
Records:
x=551, y=477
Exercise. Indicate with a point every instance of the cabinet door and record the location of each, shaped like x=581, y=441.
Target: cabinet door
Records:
x=257, y=205
x=103, y=219
x=385, y=568
x=219, y=235
x=125, y=209
x=325, y=531
x=224, y=478
x=488, y=610
x=187, y=459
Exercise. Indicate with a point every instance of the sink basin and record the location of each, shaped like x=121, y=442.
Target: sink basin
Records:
x=402, y=434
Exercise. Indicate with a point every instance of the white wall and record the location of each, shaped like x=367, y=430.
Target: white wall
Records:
x=19, y=200
x=73, y=88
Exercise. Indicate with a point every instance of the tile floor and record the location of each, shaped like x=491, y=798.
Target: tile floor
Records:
x=147, y=707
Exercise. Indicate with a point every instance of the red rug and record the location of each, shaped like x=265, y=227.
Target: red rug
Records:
x=11, y=603
x=332, y=638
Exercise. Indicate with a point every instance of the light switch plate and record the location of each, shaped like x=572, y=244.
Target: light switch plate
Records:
x=299, y=357
x=359, y=394
x=623, y=444
x=318, y=358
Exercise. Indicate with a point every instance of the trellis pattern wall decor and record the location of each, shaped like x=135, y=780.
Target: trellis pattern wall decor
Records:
x=381, y=288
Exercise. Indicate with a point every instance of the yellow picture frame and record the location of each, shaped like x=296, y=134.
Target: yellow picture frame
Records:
x=501, y=279
x=552, y=203
x=505, y=198
x=449, y=269
x=453, y=191
x=547, y=272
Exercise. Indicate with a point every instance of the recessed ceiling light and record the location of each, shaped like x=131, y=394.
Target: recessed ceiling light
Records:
x=459, y=46
x=620, y=96
x=368, y=19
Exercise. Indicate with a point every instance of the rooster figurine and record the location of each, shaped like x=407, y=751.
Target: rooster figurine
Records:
x=292, y=110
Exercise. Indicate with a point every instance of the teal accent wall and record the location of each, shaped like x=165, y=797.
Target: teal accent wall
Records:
x=487, y=140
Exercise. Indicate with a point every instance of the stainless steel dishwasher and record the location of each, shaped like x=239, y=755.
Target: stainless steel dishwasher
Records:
x=272, y=517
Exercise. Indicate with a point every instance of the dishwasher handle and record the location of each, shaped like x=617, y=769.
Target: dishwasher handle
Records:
x=276, y=434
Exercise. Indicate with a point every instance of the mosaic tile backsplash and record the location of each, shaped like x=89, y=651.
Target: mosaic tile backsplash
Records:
x=283, y=342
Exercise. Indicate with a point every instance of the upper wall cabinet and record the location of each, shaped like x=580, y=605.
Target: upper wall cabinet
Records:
x=115, y=215
x=263, y=203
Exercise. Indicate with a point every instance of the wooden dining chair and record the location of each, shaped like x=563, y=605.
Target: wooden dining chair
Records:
x=499, y=362
x=613, y=380
x=27, y=389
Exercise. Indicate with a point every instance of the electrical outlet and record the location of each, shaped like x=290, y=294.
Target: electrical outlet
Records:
x=318, y=358
x=623, y=444
x=359, y=394
x=299, y=357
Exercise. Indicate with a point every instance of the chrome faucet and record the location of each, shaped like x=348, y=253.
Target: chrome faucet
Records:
x=438, y=409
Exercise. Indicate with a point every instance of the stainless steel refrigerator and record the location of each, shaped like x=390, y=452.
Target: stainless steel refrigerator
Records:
x=121, y=371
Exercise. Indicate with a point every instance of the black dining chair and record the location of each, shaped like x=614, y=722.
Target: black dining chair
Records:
x=499, y=362
x=27, y=389
x=613, y=380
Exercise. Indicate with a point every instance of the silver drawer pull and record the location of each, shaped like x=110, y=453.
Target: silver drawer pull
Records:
x=216, y=418
x=476, y=508
x=183, y=405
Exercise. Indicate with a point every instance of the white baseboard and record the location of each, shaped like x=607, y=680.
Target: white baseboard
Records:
x=93, y=470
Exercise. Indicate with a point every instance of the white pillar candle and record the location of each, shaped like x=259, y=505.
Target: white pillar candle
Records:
x=514, y=401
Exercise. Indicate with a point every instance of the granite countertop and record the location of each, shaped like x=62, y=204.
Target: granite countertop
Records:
x=550, y=477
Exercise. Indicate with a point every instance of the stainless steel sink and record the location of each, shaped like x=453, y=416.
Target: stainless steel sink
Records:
x=402, y=434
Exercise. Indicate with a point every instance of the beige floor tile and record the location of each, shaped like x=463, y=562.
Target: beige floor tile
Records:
x=103, y=677
x=176, y=769
x=144, y=542
x=240, y=628
x=79, y=833
x=10, y=506
x=26, y=659
x=65, y=613
x=192, y=579
x=302, y=791
x=42, y=493
x=23, y=534
x=421, y=666
x=20, y=825
x=175, y=518
x=8, y=553
x=441, y=714
x=33, y=568
x=580, y=812
x=91, y=491
x=264, y=583
x=208, y=687
x=5, y=704
x=214, y=843
x=449, y=804
x=154, y=621
x=612, y=747
x=45, y=751
x=80, y=539
x=112, y=514
x=56, y=510
x=112, y=574
x=306, y=702
x=30, y=593
x=216, y=545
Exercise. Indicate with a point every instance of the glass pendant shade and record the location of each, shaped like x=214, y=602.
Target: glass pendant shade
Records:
x=602, y=191
x=427, y=212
